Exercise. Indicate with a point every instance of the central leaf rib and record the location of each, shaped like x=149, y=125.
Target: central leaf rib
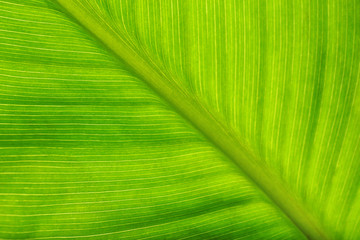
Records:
x=219, y=134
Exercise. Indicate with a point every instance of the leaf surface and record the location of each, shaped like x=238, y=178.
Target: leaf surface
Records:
x=91, y=149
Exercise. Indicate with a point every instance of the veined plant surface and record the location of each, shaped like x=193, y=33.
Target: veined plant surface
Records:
x=179, y=119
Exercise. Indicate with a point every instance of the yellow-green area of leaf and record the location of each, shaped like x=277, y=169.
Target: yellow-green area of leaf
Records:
x=173, y=119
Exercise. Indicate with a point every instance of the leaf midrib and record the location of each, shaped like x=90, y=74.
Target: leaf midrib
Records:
x=190, y=108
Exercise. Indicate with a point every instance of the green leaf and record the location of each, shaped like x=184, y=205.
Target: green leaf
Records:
x=175, y=119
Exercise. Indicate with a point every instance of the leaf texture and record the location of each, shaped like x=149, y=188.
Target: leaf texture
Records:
x=88, y=150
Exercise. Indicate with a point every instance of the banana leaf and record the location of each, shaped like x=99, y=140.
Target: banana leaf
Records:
x=179, y=119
